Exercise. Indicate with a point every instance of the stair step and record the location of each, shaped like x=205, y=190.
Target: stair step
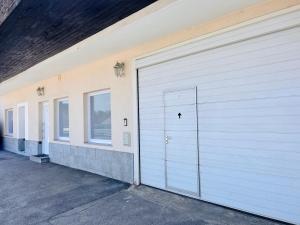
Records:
x=40, y=158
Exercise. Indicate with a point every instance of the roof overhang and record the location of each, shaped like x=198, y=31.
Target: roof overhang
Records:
x=36, y=30
x=6, y=8
x=140, y=27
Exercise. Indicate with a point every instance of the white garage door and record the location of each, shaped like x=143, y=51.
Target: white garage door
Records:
x=224, y=125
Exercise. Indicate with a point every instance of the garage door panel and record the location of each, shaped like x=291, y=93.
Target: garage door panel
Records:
x=246, y=113
x=248, y=60
x=189, y=157
x=187, y=137
x=232, y=156
x=158, y=102
x=152, y=154
x=213, y=76
x=236, y=64
x=259, y=149
x=235, y=176
x=246, y=203
x=148, y=112
x=150, y=133
x=292, y=102
x=182, y=98
x=151, y=172
x=153, y=146
x=233, y=96
x=154, y=116
x=248, y=108
x=258, y=82
x=255, y=194
x=260, y=122
x=275, y=138
x=152, y=124
x=253, y=128
x=184, y=179
x=282, y=41
x=259, y=188
x=215, y=150
x=265, y=91
x=255, y=83
x=246, y=199
x=252, y=164
x=185, y=146
x=153, y=138
x=225, y=73
x=172, y=121
x=277, y=127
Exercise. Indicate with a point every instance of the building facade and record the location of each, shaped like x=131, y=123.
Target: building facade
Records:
x=205, y=106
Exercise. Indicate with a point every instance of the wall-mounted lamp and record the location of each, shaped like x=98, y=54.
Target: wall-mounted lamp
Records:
x=40, y=91
x=119, y=69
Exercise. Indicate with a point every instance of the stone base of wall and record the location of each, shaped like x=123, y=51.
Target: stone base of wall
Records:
x=33, y=147
x=21, y=146
x=10, y=144
x=113, y=164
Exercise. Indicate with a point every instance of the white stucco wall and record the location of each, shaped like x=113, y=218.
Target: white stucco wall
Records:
x=97, y=74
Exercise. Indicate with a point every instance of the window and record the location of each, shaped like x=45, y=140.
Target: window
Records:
x=62, y=119
x=9, y=122
x=99, y=117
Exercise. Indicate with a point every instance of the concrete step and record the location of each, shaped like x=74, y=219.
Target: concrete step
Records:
x=42, y=158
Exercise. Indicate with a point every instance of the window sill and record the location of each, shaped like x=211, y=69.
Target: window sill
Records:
x=61, y=141
x=98, y=144
x=9, y=135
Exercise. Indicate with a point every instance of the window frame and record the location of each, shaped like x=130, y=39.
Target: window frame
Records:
x=88, y=117
x=57, y=120
x=7, y=133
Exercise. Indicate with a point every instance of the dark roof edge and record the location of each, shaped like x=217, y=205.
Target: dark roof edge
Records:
x=6, y=8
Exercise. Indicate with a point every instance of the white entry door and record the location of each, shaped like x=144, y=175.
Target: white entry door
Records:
x=45, y=128
x=21, y=122
x=22, y=125
x=181, y=156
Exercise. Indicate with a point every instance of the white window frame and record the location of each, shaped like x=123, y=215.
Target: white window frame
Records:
x=7, y=133
x=57, y=134
x=89, y=139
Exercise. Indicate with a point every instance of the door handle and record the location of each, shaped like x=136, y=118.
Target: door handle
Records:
x=167, y=139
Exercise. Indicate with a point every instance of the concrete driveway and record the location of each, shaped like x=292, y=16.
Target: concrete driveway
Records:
x=50, y=194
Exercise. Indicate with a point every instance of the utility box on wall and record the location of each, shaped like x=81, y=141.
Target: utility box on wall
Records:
x=21, y=144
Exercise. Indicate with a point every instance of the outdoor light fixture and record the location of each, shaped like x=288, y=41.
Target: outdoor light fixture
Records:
x=119, y=69
x=125, y=122
x=40, y=91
